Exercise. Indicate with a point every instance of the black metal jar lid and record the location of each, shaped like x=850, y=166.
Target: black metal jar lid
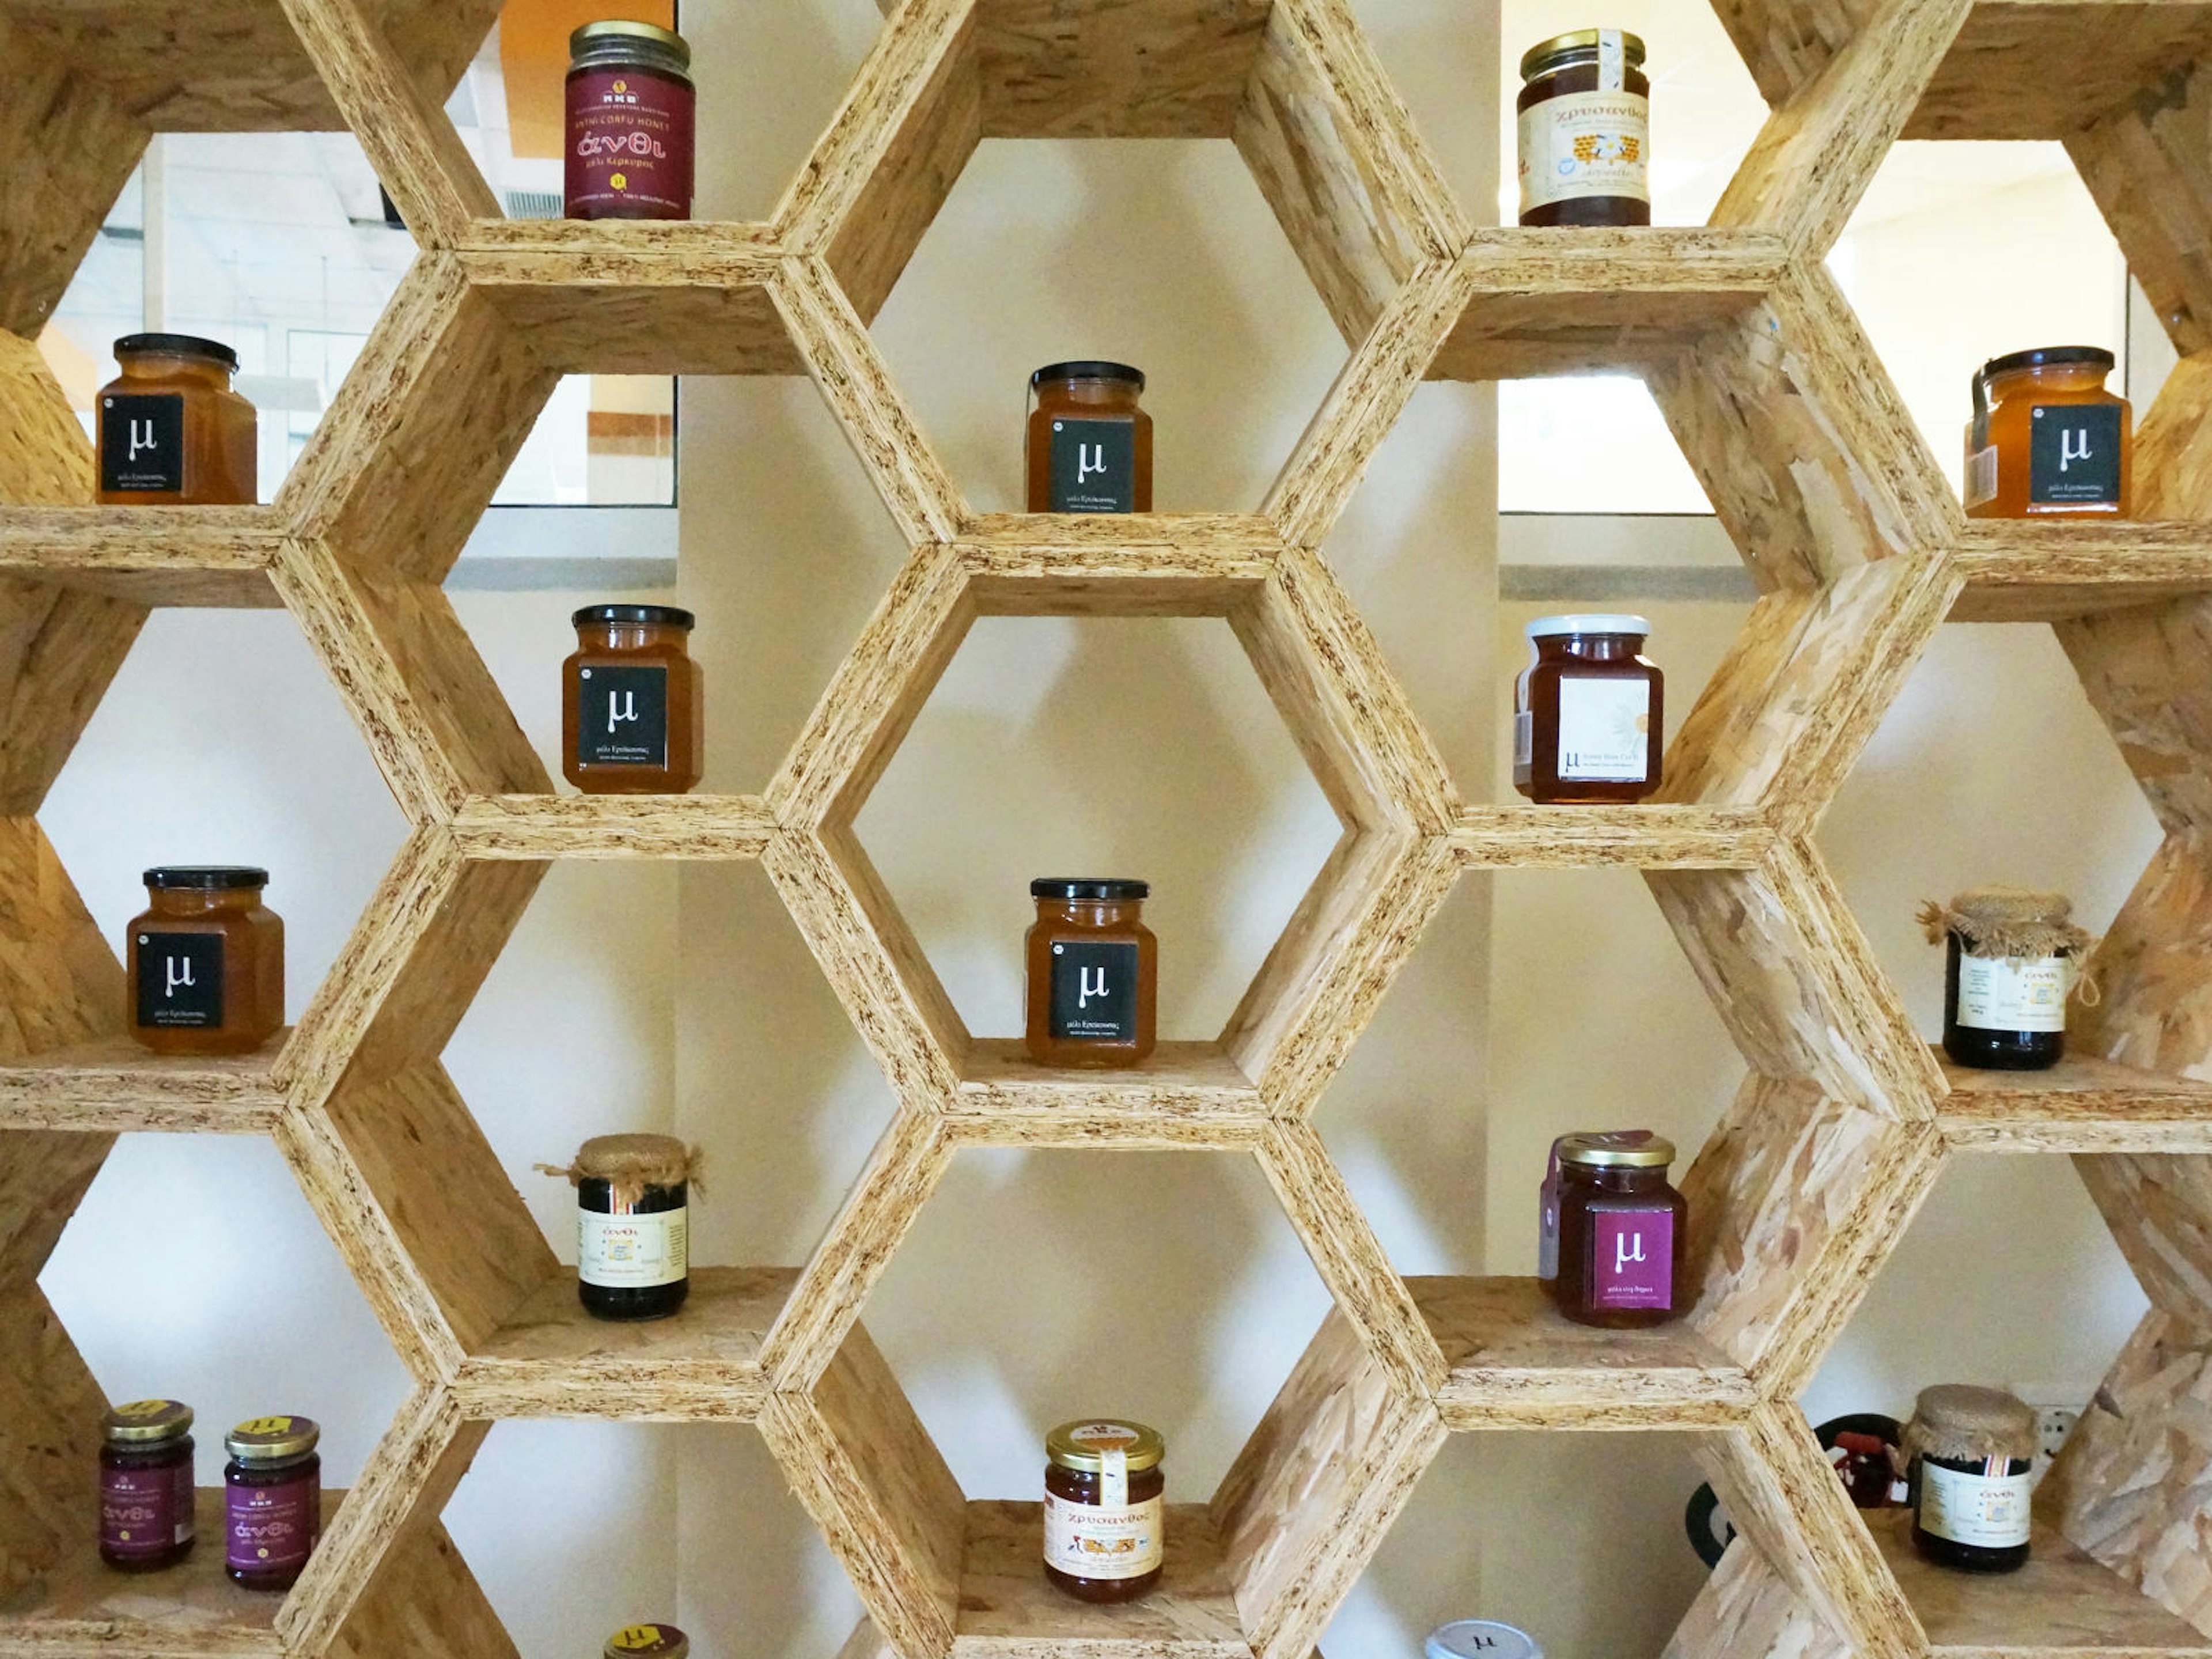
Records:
x=1099, y=890
x=205, y=878
x=176, y=345
x=618, y=41
x=2050, y=357
x=1088, y=369
x=642, y=616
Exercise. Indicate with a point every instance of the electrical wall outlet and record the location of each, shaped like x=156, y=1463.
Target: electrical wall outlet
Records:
x=2052, y=1424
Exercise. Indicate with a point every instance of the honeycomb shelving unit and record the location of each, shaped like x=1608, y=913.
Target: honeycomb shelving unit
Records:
x=1846, y=523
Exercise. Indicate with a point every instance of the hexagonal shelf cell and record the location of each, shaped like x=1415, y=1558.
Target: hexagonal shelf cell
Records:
x=1253, y=1570
x=173, y=1242
x=533, y=1508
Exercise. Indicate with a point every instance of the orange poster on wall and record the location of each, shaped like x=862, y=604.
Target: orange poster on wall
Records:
x=533, y=57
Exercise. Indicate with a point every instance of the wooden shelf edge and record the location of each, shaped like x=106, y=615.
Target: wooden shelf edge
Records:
x=1186, y=1093
x=639, y=238
x=2021, y=571
x=116, y=1085
x=1649, y=837
x=614, y=826
x=1525, y=259
x=2082, y=1104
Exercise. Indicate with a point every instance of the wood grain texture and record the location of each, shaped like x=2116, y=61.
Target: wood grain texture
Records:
x=1647, y=836
x=703, y=310
x=2082, y=1104
x=2145, y=671
x=114, y=1084
x=53, y=195
x=1183, y=1094
x=2155, y=1010
x=1992, y=83
x=2143, y=160
x=539, y=827
x=1746, y=1610
x=2022, y=571
x=2159, y=1207
x=2173, y=450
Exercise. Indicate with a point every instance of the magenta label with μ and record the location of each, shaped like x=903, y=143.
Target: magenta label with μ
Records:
x=269, y=1527
x=145, y=1512
x=1632, y=1262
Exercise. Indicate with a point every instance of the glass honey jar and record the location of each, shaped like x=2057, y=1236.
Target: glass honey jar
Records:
x=1104, y=1504
x=1623, y=1233
x=1093, y=973
x=146, y=1491
x=169, y=429
x=630, y=107
x=205, y=961
x=633, y=703
x=1585, y=139
x=2047, y=439
x=648, y=1642
x=272, y=1501
x=1088, y=447
x=1587, y=712
x=1971, y=1461
x=632, y=1224
x=2011, y=959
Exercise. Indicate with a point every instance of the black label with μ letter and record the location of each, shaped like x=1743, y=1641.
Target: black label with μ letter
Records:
x=622, y=716
x=142, y=441
x=2074, y=454
x=180, y=979
x=1094, y=466
x=1094, y=992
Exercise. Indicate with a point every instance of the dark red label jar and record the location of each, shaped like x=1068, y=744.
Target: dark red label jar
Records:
x=146, y=1491
x=272, y=1501
x=629, y=109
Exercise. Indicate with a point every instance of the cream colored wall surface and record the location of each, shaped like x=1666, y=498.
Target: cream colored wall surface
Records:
x=1041, y=1285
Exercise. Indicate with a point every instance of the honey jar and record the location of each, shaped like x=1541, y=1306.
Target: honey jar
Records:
x=2009, y=965
x=1587, y=712
x=1585, y=119
x=169, y=429
x=1093, y=973
x=1088, y=447
x=1971, y=1457
x=272, y=1501
x=1623, y=1228
x=632, y=1224
x=2047, y=439
x=146, y=1492
x=630, y=110
x=648, y=1642
x=633, y=703
x=205, y=961
x=1103, y=1508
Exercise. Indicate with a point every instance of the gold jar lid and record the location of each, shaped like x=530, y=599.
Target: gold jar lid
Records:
x=147, y=1422
x=648, y=1642
x=272, y=1439
x=614, y=33
x=1609, y=1151
x=1564, y=49
x=1083, y=1443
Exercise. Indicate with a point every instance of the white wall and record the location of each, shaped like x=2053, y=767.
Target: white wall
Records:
x=655, y=996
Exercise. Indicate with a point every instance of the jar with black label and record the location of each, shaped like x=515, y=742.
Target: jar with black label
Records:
x=1104, y=1506
x=1623, y=1232
x=1970, y=1455
x=146, y=1491
x=2009, y=965
x=1589, y=711
x=205, y=961
x=1585, y=123
x=633, y=703
x=632, y=1224
x=2046, y=439
x=1090, y=447
x=648, y=1642
x=1093, y=973
x=629, y=106
x=169, y=429
x=272, y=1501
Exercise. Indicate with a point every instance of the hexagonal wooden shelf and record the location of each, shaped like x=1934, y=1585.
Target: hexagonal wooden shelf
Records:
x=1845, y=521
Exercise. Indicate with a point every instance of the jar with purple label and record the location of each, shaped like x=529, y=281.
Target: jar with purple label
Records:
x=629, y=106
x=146, y=1485
x=1622, y=1233
x=272, y=1501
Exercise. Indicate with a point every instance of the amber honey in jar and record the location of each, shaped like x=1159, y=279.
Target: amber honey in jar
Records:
x=1585, y=144
x=1622, y=1232
x=1103, y=1508
x=633, y=703
x=1088, y=447
x=2047, y=439
x=205, y=961
x=146, y=1491
x=170, y=431
x=1093, y=973
x=629, y=106
x=1587, y=712
x=272, y=1501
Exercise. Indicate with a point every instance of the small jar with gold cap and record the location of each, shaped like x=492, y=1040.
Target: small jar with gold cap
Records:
x=1969, y=1453
x=1622, y=1231
x=1104, y=1505
x=633, y=1223
x=272, y=1500
x=629, y=106
x=2010, y=962
x=146, y=1492
x=1585, y=118
x=648, y=1642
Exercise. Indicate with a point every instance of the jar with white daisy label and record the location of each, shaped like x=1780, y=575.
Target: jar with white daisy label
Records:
x=1585, y=132
x=632, y=1224
x=1587, y=712
x=2011, y=957
x=1970, y=1455
x=1104, y=1507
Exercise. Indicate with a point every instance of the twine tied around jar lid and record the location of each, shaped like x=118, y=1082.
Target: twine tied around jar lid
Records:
x=2013, y=922
x=1972, y=1425
x=630, y=1163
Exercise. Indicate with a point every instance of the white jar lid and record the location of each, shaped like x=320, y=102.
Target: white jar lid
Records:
x=1480, y=1638
x=1552, y=627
